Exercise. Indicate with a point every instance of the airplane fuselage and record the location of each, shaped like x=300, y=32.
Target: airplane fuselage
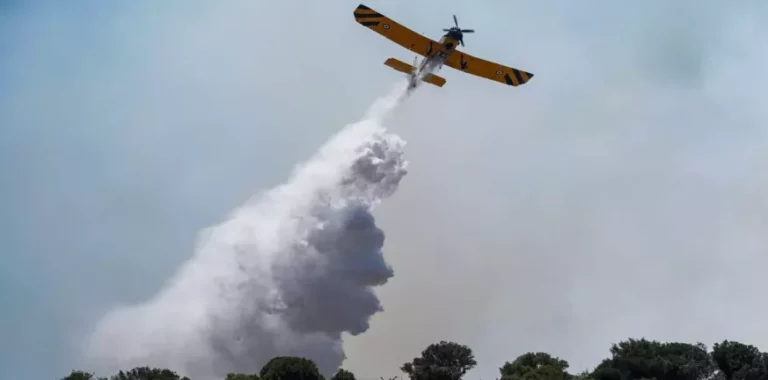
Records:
x=436, y=55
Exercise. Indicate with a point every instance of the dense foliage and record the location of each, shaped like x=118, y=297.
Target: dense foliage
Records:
x=290, y=368
x=441, y=361
x=633, y=359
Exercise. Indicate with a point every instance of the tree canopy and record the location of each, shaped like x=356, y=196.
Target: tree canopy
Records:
x=138, y=373
x=290, y=368
x=81, y=375
x=535, y=366
x=241, y=376
x=343, y=374
x=441, y=361
x=632, y=359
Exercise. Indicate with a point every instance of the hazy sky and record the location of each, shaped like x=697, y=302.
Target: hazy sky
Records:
x=621, y=192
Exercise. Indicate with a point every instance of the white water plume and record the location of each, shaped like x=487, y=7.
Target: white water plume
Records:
x=286, y=274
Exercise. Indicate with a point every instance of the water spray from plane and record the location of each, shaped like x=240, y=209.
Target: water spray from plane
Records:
x=286, y=274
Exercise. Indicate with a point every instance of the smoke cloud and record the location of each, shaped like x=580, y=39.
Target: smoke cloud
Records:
x=286, y=274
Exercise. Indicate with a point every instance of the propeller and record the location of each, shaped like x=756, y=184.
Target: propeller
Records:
x=457, y=29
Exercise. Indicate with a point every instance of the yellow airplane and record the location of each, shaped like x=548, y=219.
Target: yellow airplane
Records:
x=436, y=54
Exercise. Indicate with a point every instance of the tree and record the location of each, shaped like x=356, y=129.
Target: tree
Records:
x=732, y=357
x=290, y=368
x=81, y=375
x=343, y=374
x=146, y=373
x=441, y=361
x=632, y=359
x=643, y=359
x=241, y=376
x=535, y=366
x=757, y=370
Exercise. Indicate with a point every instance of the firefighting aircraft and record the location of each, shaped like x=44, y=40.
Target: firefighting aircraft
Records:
x=436, y=54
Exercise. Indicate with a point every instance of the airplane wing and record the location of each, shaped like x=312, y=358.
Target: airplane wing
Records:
x=393, y=31
x=486, y=69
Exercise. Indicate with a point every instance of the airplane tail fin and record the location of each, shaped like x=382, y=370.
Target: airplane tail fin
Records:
x=408, y=69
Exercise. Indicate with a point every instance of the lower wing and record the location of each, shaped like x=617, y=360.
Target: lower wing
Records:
x=487, y=69
x=410, y=70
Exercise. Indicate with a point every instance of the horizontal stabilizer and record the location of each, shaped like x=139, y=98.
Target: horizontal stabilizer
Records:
x=408, y=69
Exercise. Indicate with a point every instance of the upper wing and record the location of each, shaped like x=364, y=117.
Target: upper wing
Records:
x=395, y=32
x=487, y=69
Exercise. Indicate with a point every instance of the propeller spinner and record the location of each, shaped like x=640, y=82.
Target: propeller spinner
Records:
x=459, y=30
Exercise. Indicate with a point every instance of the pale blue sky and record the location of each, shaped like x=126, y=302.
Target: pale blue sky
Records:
x=639, y=147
